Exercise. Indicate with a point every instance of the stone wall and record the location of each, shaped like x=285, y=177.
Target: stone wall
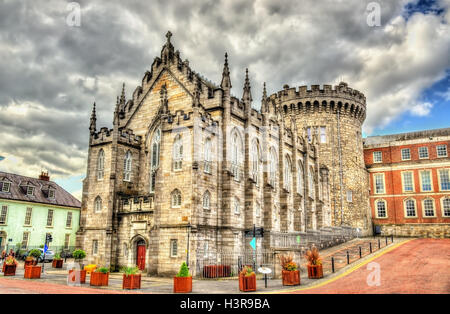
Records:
x=417, y=230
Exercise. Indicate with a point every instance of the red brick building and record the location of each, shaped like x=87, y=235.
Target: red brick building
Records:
x=410, y=183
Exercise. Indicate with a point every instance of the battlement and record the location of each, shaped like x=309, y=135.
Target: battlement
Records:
x=126, y=136
x=340, y=91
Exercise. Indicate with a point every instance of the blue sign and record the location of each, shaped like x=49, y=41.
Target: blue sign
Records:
x=253, y=243
x=45, y=248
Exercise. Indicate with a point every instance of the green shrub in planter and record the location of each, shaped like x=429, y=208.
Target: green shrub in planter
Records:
x=184, y=271
x=103, y=270
x=35, y=253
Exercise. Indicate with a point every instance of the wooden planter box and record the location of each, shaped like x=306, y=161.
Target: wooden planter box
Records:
x=32, y=272
x=131, y=281
x=9, y=270
x=30, y=263
x=247, y=283
x=79, y=276
x=290, y=278
x=99, y=279
x=315, y=271
x=215, y=271
x=57, y=263
x=182, y=284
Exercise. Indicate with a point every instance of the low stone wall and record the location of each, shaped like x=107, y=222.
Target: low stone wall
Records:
x=417, y=230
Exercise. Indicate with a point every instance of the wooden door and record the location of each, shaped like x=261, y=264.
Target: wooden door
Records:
x=140, y=259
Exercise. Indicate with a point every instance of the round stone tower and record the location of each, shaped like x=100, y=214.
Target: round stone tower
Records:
x=333, y=119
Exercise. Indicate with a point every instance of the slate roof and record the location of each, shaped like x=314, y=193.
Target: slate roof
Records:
x=384, y=139
x=18, y=191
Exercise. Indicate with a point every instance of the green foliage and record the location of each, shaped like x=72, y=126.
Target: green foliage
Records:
x=35, y=253
x=79, y=254
x=103, y=270
x=184, y=271
x=130, y=270
x=57, y=256
x=247, y=271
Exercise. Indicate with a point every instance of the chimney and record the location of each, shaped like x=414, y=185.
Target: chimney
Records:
x=44, y=176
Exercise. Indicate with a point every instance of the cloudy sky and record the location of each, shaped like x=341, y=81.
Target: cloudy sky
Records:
x=52, y=69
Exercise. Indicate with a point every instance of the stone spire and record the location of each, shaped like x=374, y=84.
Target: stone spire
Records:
x=93, y=124
x=247, y=96
x=167, y=52
x=122, y=96
x=264, y=106
x=116, y=112
x=226, y=80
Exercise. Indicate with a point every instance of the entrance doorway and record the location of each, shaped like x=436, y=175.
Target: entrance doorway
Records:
x=140, y=254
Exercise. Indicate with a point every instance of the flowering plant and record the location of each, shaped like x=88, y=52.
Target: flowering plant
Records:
x=313, y=256
x=247, y=271
x=287, y=263
x=10, y=261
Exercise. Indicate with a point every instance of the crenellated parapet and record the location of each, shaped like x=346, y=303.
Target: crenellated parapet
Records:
x=103, y=136
x=341, y=98
x=126, y=136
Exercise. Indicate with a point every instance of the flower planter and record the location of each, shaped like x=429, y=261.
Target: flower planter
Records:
x=9, y=270
x=182, y=284
x=247, y=283
x=32, y=272
x=57, y=263
x=315, y=271
x=99, y=279
x=290, y=277
x=131, y=281
x=78, y=276
x=30, y=263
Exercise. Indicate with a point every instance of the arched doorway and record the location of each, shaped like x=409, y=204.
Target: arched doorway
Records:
x=140, y=254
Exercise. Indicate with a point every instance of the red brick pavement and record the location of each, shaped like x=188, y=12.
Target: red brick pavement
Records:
x=418, y=266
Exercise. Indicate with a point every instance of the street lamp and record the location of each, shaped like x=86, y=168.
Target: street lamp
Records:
x=187, y=251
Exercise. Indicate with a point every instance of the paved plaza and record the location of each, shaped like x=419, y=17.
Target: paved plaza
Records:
x=406, y=266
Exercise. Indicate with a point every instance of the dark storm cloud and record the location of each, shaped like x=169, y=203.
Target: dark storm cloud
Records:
x=51, y=73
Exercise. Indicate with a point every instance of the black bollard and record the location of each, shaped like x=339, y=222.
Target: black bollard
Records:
x=332, y=264
x=379, y=244
x=370, y=247
x=360, y=253
x=386, y=241
x=348, y=258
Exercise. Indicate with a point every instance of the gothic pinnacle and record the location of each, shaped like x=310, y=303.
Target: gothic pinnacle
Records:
x=122, y=96
x=247, y=89
x=226, y=81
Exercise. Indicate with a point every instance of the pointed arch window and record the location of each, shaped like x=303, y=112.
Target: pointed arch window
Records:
x=206, y=200
x=236, y=148
x=311, y=182
x=236, y=206
x=154, y=159
x=273, y=167
x=207, y=155
x=178, y=153
x=127, y=167
x=300, y=178
x=100, y=164
x=287, y=173
x=98, y=204
x=255, y=162
x=176, y=198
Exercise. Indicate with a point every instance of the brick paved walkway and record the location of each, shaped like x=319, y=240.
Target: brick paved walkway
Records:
x=417, y=266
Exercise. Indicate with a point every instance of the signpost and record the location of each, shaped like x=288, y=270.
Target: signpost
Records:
x=265, y=271
x=48, y=239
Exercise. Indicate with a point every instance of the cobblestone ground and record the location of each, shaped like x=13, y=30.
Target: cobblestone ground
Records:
x=435, y=254
x=417, y=266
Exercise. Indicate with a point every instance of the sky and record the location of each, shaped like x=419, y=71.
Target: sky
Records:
x=53, y=66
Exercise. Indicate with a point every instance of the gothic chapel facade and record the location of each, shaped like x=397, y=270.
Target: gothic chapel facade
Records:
x=187, y=167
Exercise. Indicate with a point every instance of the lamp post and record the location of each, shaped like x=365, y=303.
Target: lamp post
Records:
x=187, y=250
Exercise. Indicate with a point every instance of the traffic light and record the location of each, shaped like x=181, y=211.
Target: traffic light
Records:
x=48, y=238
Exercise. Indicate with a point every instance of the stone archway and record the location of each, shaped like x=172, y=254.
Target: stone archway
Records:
x=139, y=251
